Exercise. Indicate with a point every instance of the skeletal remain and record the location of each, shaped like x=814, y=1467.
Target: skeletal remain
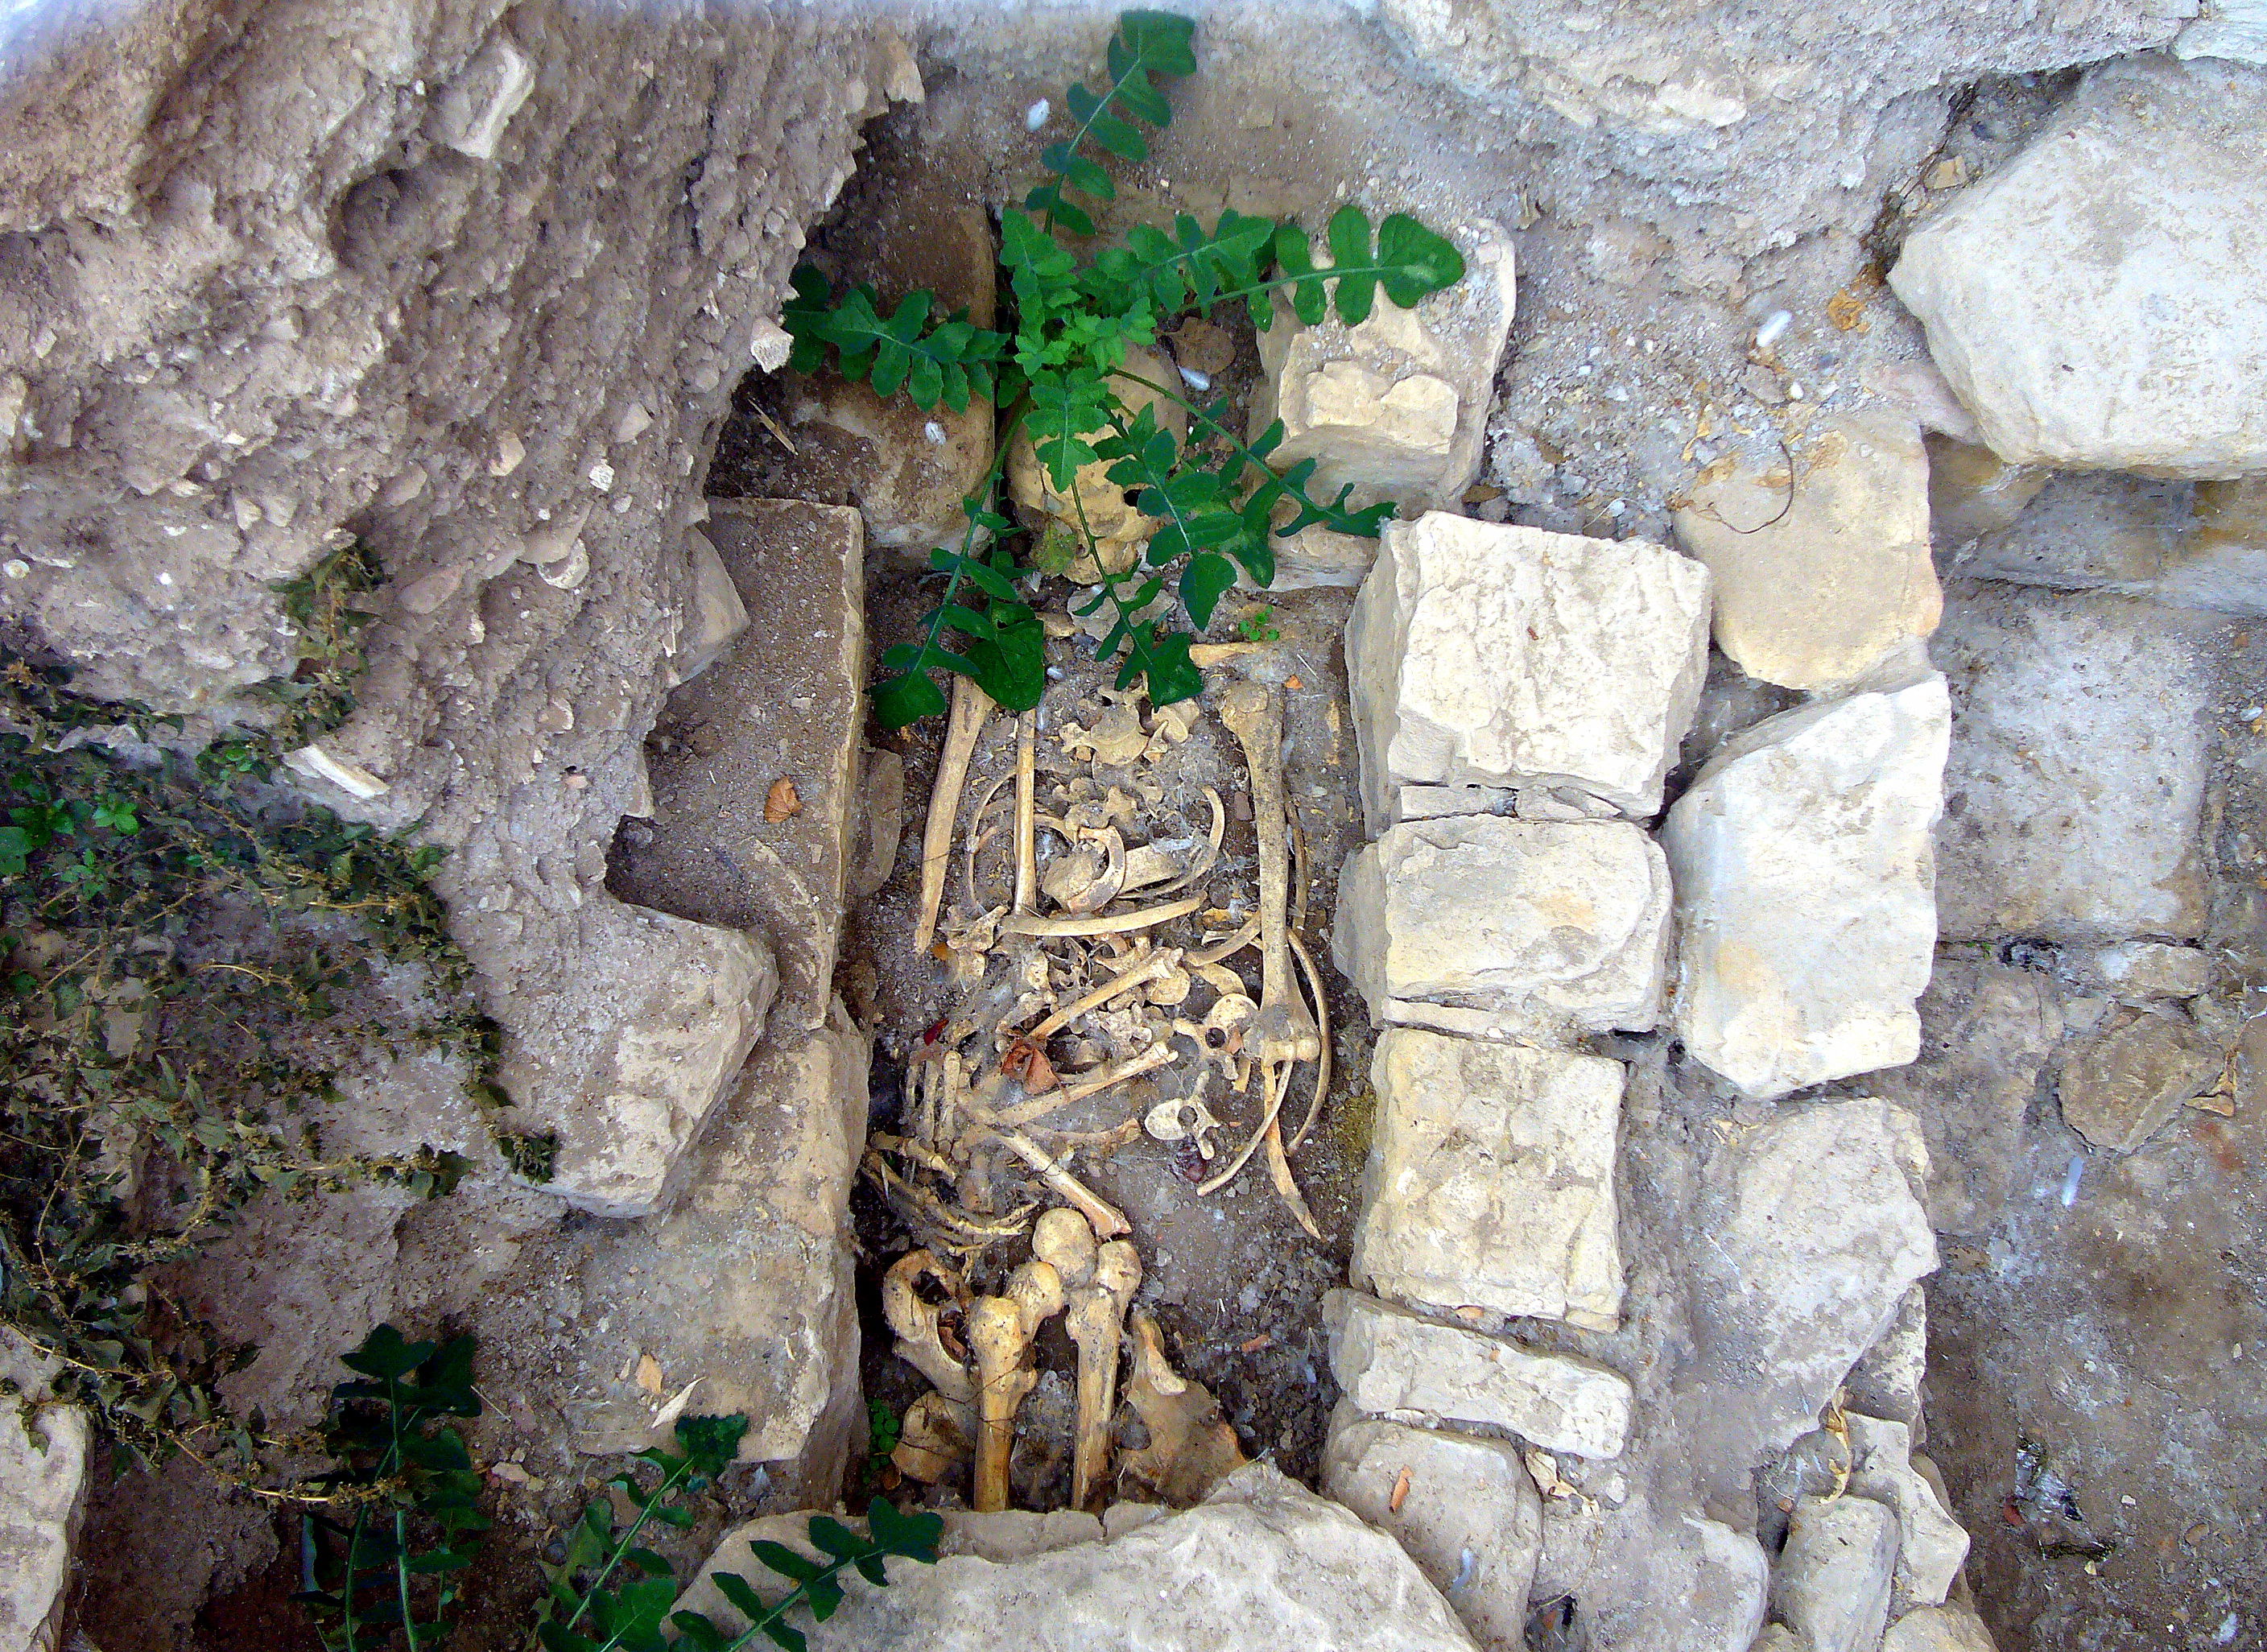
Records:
x=1223, y=1032
x=1118, y=923
x=1157, y=1055
x=919, y=1342
x=1169, y=989
x=1108, y=1220
x=1096, y=1323
x=1206, y=857
x=1220, y=653
x=1178, y=1117
x=933, y=1438
x=1191, y=1449
x=1151, y=968
x=1323, y=1026
x=1027, y=734
x=1283, y=1032
x=971, y=705
x=1082, y=881
x=1064, y=1240
x=1000, y=1331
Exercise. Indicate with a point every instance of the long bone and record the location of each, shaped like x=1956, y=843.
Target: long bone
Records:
x=1000, y=1330
x=971, y=705
x=1096, y=1323
x=1283, y=1032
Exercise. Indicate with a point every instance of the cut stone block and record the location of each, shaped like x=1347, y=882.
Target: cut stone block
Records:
x=1806, y=890
x=905, y=469
x=1831, y=1585
x=2145, y=969
x=2122, y=1081
x=1397, y=407
x=1491, y=1179
x=745, y=1287
x=1814, y=587
x=42, y=1495
x=1505, y=928
x=1261, y=1564
x=786, y=704
x=1464, y=1508
x=1483, y=655
x=2076, y=791
x=1805, y=1270
x=2100, y=303
x=1391, y=1363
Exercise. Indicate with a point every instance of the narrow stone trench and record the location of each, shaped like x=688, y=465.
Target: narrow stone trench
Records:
x=1772, y=826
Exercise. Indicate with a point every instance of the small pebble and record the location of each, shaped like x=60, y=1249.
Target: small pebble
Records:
x=1772, y=329
x=1036, y=116
x=16, y=568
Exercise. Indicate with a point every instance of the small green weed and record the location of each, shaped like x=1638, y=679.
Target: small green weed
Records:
x=396, y=1567
x=1257, y=626
x=1057, y=372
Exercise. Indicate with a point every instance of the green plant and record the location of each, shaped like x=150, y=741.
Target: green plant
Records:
x=408, y=1480
x=1257, y=626
x=407, y=1477
x=187, y=955
x=1058, y=372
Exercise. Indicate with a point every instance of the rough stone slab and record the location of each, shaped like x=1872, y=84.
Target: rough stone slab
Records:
x=1391, y=1363
x=1822, y=1233
x=2101, y=302
x=1491, y=1179
x=2144, y=969
x=715, y=616
x=1831, y=1585
x=906, y=469
x=1467, y=1513
x=1484, y=654
x=1261, y=1564
x=1398, y=406
x=2074, y=793
x=1537, y=926
x=2122, y=1081
x=1931, y=1546
x=1805, y=885
x=745, y=1284
x=1886, y=1381
x=1814, y=587
x=786, y=704
x=42, y=1495
x=1655, y=1573
x=1938, y=1629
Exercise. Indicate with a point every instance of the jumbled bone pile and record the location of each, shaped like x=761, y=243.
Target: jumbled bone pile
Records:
x=1087, y=927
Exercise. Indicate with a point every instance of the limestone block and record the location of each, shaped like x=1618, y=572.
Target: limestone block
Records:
x=1972, y=490
x=1820, y=573
x=1397, y=407
x=1528, y=927
x=2144, y=969
x=1486, y=655
x=1261, y=1564
x=1831, y=1585
x=1491, y=1179
x=2123, y=1080
x=1932, y=1547
x=1467, y=1512
x=2099, y=302
x=1886, y=1381
x=716, y=616
x=1391, y=1363
x=786, y=704
x=905, y=469
x=2076, y=790
x=1823, y=1233
x=745, y=1286
x=1805, y=882
x=42, y=1495
x=1938, y=1629
x=2086, y=529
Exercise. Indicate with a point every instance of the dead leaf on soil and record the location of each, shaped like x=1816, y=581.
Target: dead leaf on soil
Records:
x=781, y=802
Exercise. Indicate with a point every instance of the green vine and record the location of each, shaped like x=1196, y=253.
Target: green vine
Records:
x=1056, y=369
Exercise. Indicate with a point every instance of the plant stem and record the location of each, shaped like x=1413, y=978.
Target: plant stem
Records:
x=670, y=1482
x=1215, y=427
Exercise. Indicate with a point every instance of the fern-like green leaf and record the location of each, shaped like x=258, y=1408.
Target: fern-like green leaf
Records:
x=948, y=361
x=1147, y=44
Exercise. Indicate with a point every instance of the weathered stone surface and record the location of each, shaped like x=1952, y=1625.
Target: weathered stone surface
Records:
x=905, y=469
x=715, y=616
x=1491, y=1179
x=1483, y=655
x=1260, y=1563
x=1972, y=490
x=786, y=705
x=42, y=1495
x=1931, y=1546
x=1467, y=1513
x=1805, y=889
x=1819, y=574
x=1656, y=1573
x=1823, y=1233
x=2088, y=529
x=2122, y=1081
x=1391, y=1363
x=1531, y=926
x=2144, y=969
x=1398, y=406
x=1886, y=1381
x=2074, y=792
x=1831, y=1585
x=1987, y=1031
x=2098, y=303
x=1093, y=503
x=746, y=1285
x=1938, y=1629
